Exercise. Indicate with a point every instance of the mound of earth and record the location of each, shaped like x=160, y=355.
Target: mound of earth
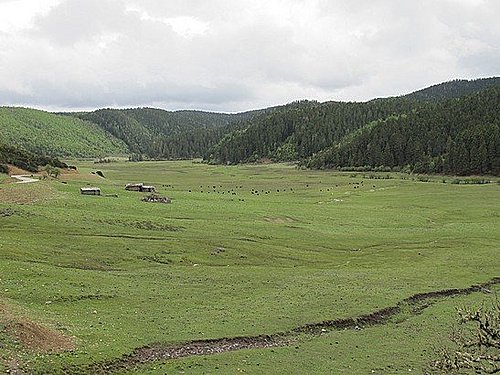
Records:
x=34, y=336
x=13, y=170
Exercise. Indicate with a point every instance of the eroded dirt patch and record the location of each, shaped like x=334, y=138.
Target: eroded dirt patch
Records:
x=16, y=170
x=31, y=335
x=36, y=337
x=160, y=352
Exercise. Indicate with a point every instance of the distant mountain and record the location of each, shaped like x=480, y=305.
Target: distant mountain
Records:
x=301, y=130
x=431, y=130
x=158, y=133
x=457, y=136
x=46, y=133
x=454, y=89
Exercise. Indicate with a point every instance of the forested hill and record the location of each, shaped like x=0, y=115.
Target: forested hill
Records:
x=157, y=133
x=300, y=130
x=46, y=133
x=457, y=136
x=26, y=160
x=321, y=135
x=454, y=89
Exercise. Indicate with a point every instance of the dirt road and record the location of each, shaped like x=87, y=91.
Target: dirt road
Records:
x=24, y=179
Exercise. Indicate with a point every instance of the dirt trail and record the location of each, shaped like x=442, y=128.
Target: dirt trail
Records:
x=412, y=305
x=24, y=179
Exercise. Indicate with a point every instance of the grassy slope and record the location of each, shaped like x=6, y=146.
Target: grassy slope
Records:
x=54, y=134
x=289, y=258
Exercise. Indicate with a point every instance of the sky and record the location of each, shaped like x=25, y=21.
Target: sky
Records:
x=230, y=56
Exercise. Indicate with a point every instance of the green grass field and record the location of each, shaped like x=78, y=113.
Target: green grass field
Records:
x=118, y=273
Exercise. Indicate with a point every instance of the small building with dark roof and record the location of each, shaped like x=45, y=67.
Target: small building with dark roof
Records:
x=90, y=191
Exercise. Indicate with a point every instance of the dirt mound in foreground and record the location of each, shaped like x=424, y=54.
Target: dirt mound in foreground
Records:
x=34, y=336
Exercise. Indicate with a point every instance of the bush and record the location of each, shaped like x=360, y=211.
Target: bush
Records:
x=4, y=168
x=52, y=171
x=475, y=343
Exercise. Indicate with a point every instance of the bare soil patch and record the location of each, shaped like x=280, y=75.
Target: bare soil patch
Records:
x=39, y=338
x=15, y=170
x=32, y=335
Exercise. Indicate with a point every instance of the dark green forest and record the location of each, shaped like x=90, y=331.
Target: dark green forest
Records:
x=301, y=129
x=457, y=136
x=454, y=89
x=435, y=130
x=24, y=159
x=160, y=134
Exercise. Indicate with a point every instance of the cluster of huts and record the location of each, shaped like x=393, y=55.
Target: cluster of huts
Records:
x=131, y=187
x=140, y=187
x=155, y=198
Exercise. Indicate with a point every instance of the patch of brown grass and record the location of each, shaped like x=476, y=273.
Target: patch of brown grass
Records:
x=34, y=336
x=27, y=193
x=15, y=170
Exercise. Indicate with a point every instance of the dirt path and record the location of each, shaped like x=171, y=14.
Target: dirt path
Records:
x=24, y=179
x=400, y=312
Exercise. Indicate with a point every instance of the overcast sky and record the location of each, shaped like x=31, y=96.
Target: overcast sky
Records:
x=228, y=55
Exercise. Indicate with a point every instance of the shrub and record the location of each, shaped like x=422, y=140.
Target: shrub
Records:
x=475, y=343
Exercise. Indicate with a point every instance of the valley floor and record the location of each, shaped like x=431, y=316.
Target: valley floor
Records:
x=270, y=253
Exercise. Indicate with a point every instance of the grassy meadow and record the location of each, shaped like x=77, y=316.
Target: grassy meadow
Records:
x=241, y=250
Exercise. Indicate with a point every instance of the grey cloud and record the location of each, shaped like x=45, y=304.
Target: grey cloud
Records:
x=97, y=53
x=122, y=94
x=73, y=20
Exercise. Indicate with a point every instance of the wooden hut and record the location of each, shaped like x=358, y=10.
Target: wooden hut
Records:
x=133, y=187
x=90, y=191
x=140, y=187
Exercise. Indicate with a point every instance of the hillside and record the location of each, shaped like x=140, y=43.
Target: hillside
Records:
x=164, y=134
x=302, y=129
x=25, y=160
x=51, y=134
x=297, y=131
x=458, y=136
x=454, y=89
